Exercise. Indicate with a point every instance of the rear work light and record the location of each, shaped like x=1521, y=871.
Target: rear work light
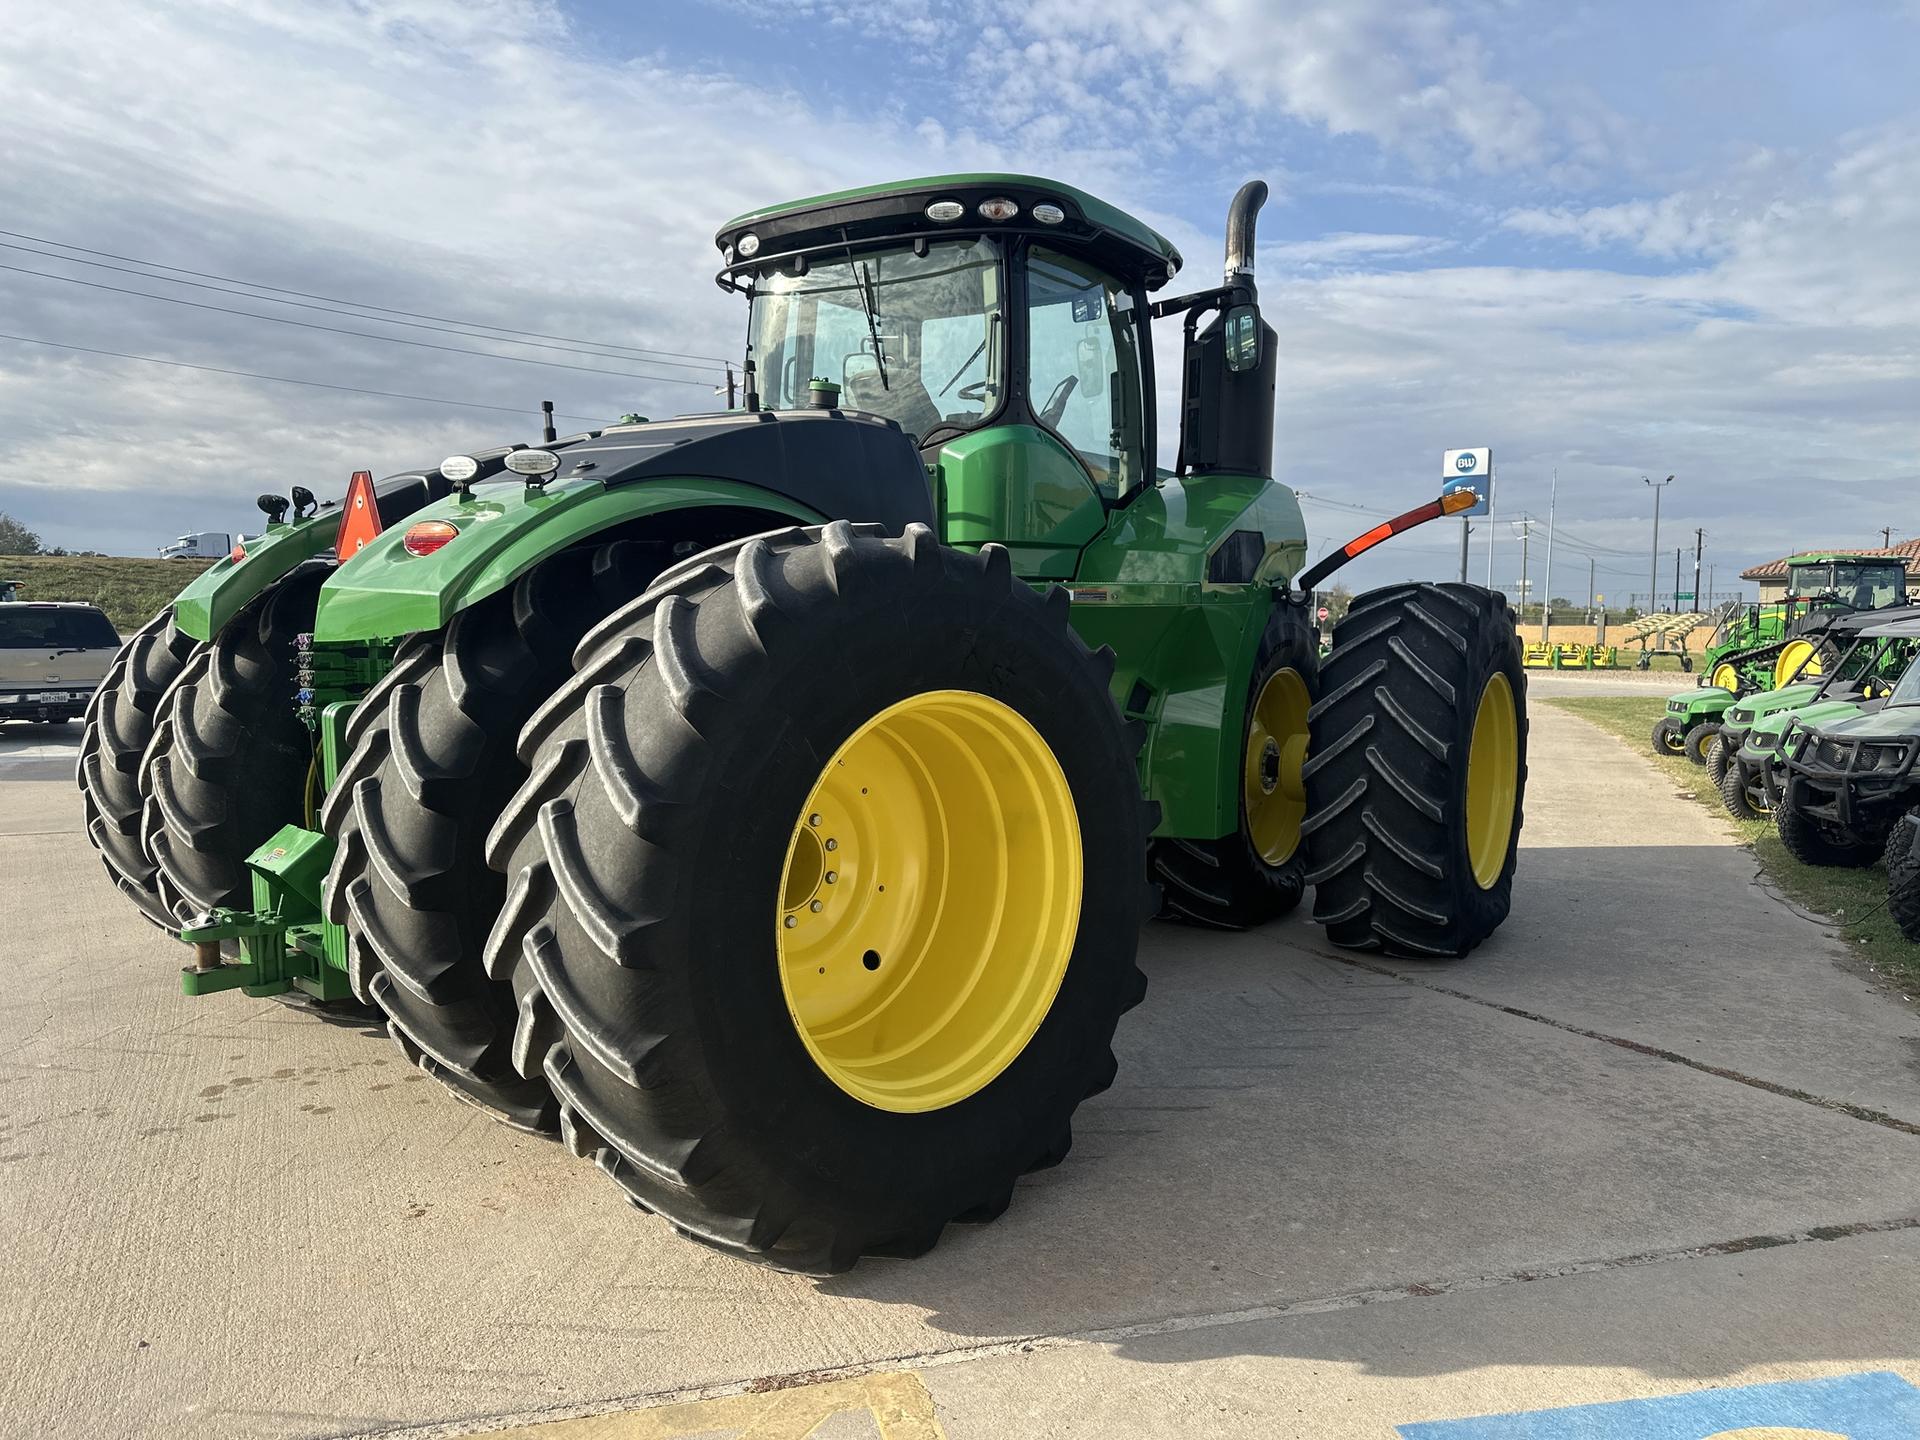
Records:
x=427, y=536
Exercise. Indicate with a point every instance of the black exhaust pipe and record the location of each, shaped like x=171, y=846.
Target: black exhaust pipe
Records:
x=1241, y=215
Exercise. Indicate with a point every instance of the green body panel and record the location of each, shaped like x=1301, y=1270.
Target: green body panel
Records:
x=1018, y=486
x=1094, y=208
x=1692, y=707
x=218, y=593
x=1762, y=738
x=1890, y=722
x=505, y=529
x=1141, y=587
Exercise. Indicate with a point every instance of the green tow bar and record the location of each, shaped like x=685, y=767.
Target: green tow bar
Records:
x=284, y=940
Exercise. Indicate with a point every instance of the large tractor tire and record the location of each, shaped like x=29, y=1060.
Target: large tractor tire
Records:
x=1809, y=651
x=229, y=762
x=824, y=893
x=1814, y=842
x=1258, y=873
x=1694, y=747
x=430, y=766
x=1744, y=792
x=113, y=747
x=1416, y=771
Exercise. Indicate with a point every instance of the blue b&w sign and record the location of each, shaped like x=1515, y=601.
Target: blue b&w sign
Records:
x=1874, y=1406
x=1467, y=470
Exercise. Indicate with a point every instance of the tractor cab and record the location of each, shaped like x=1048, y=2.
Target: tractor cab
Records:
x=1857, y=581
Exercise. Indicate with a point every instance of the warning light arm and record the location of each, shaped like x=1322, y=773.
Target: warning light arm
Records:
x=1450, y=504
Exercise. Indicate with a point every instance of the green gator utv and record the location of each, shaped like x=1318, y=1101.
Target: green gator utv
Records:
x=769, y=801
x=1877, y=647
x=1757, y=648
x=1847, y=782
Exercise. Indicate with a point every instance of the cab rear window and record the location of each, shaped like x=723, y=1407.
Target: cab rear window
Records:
x=29, y=627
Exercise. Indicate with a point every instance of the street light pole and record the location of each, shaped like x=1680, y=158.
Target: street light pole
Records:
x=1653, y=564
x=1546, y=615
x=1699, y=539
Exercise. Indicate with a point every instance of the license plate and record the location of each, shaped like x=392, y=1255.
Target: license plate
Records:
x=49, y=695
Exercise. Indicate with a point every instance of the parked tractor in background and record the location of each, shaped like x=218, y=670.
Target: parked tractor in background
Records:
x=768, y=801
x=1758, y=648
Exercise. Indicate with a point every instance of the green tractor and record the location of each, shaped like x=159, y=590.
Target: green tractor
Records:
x=1876, y=648
x=1847, y=783
x=1757, y=648
x=768, y=801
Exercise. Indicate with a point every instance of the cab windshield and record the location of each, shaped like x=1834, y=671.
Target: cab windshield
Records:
x=914, y=338
x=1865, y=587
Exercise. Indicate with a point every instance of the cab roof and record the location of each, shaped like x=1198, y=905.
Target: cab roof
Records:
x=1829, y=557
x=823, y=223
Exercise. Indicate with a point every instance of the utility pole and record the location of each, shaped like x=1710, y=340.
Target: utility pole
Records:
x=1710, y=580
x=1599, y=621
x=1492, y=529
x=1676, y=579
x=1524, y=529
x=1653, y=564
x=1465, y=530
x=1886, y=537
x=1699, y=539
x=1546, y=615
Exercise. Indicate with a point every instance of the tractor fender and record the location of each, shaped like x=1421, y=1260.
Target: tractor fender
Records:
x=503, y=530
x=223, y=589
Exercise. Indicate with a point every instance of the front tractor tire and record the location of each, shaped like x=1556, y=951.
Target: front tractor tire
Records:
x=229, y=762
x=430, y=765
x=1744, y=792
x=1416, y=771
x=1720, y=757
x=1667, y=738
x=824, y=892
x=1257, y=873
x=1698, y=740
x=113, y=752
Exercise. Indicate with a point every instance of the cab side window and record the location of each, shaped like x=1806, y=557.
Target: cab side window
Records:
x=1084, y=374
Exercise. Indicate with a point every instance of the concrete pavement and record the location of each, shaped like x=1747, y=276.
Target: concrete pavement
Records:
x=1324, y=1198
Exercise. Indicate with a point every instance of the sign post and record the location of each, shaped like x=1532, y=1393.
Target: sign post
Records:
x=1469, y=470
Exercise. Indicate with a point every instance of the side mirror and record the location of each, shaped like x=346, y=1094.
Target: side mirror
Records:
x=1243, y=339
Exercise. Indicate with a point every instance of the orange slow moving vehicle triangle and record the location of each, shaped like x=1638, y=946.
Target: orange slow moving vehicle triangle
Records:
x=359, y=516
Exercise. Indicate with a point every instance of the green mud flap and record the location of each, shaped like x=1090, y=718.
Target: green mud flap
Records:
x=283, y=941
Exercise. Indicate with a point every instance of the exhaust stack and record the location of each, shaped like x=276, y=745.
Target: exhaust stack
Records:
x=1226, y=401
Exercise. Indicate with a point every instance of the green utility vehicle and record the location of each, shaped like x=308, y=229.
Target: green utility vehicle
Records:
x=1766, y=647
x=1847, y=781
x=769, y=800
x=1876, y=650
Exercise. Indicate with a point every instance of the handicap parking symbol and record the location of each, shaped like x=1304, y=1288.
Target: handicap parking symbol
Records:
x=1875, y=1406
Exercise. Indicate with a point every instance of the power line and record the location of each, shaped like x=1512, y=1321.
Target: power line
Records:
x=358, y=305
x=358, y=334
x=351, y=314
x=285, y=380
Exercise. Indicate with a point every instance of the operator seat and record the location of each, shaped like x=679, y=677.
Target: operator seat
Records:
x=903, y=399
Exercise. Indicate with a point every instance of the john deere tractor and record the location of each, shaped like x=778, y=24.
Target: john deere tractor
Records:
x=1758, y=648
x=768, y=801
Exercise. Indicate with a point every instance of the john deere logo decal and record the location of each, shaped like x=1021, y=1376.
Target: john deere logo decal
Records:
x=1464, y=462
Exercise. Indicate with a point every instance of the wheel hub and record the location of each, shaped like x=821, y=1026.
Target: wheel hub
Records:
x=1275, y=797
x=929, y=901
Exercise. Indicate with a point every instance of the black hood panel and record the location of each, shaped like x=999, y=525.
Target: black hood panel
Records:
x=840, y=463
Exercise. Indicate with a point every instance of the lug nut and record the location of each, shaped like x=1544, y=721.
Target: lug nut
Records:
x=815, y=907
x=833, y=844
x=813, y=819
x=792, y=920
x=832, y=875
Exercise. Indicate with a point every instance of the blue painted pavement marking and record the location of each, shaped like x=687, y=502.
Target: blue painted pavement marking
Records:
x=1874, y=1406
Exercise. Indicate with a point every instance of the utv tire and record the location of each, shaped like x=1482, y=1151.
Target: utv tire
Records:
x=229, y=760
x=1813, y=842
x=658, y=857
x=430, y=767
x=1423, y=691
x=1258, y=873
x=1903, y=876
x=1719, y=756
x=1743, y=792
x=1666, y=740
x=1694, y=747
x=113, y=748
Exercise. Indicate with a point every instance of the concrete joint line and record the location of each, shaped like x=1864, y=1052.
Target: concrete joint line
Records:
x=1169, y=1325
x=1672, y=1057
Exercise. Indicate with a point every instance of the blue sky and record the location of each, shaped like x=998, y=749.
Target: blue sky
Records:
x=1611, y=240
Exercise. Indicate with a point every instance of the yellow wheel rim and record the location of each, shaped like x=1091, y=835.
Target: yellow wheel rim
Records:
x=930, y=900
x=1493, y=781
x=1790, y=659
x=1276, y=797
x=1726, y=678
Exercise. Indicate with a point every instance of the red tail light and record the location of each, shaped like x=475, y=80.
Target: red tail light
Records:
x=427, y=536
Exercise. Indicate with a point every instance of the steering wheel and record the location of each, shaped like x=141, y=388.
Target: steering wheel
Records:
x=976, y=391
x=1056, y=405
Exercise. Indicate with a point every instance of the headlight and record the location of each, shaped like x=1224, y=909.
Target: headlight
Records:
x=1886, y=757
x=749, y=246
